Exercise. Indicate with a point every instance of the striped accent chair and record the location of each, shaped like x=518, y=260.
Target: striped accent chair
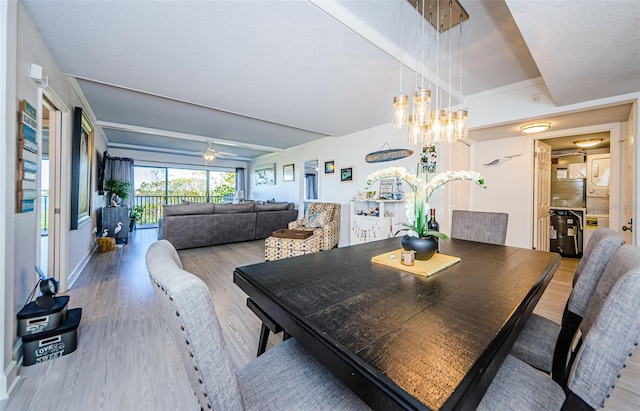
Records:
x=285, y=377
x=324, y=220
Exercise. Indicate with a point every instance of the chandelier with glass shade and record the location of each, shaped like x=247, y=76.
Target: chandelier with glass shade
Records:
x=429, y=125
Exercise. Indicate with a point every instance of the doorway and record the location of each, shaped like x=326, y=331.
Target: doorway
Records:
x=51, y=238
x=311, y=180
x=576, y=209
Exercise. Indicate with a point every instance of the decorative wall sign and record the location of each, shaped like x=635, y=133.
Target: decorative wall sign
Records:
x=27, y=158
x=265, y=175
x=387, y=155
x=500, y=161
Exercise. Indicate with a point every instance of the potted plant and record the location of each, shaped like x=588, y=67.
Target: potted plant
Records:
x=119, y=190
x=135, y=216
x=420, y=238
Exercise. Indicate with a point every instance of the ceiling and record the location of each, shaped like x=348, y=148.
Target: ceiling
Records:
x=255, y=77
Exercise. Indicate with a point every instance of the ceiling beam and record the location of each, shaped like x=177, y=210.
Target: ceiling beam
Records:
x=172, y=151
x=355, y=24
x=183, y=136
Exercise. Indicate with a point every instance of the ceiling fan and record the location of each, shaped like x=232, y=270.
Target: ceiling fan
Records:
x=209, y=154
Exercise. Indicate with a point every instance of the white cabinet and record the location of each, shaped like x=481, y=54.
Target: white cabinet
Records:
x=373, y=220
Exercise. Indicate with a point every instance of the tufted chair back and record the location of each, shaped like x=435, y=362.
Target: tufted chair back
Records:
x=187, y=305
x=479, y=226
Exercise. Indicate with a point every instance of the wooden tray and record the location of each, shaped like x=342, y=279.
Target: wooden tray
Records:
x=297, y=234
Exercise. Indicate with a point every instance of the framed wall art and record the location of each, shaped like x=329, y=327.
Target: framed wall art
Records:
x=265, y=175
x=288, y=172
x=346, y=174
x=329, y=167
x=81, y=151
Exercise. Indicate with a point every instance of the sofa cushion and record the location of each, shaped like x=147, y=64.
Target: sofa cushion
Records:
x=232, y=208
x=187, y=209
x=271, y=207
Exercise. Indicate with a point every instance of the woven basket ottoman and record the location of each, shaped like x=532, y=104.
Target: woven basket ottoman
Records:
x=276, y=248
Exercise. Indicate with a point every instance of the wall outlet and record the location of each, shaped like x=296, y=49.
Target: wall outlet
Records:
x=535, y=98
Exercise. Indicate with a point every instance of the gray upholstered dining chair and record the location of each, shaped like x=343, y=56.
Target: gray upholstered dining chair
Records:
x=610, y=332
x=480, y=226
x=285, y=377
x=543, y=343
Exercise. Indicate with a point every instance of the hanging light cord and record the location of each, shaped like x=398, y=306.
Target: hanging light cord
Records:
x=460, y=58
x=450, y=55
x=401, y=36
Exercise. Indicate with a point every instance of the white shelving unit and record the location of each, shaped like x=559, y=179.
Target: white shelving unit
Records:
x=366, y=225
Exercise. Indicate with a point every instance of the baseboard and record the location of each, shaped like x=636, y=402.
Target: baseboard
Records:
x=76, y=273
x=9, y=378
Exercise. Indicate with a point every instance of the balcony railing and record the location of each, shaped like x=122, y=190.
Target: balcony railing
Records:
x=153, y=204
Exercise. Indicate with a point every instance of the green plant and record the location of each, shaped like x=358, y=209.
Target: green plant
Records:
x=135, y=213
x=118, y=187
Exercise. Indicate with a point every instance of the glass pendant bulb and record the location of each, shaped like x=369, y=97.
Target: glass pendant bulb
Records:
x=450, y=127
x=421, y=107
x=438, y=126
x=462, y=130
x=414, y=131
x=400, y=104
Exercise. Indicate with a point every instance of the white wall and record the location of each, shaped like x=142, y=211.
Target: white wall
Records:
x=508, y=185
x=24, y=46
x=7, y=115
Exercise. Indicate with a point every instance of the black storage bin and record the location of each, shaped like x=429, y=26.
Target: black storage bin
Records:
x=33, y=319
x=52, y=344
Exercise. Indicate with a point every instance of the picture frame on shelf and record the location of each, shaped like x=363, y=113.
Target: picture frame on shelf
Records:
x=346, y=175
x=288, y=172
x=265, y=174
x=329, y=167
x=81, y=153
x=386, y=189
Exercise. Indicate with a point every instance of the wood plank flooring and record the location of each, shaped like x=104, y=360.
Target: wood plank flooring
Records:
x=127, y=360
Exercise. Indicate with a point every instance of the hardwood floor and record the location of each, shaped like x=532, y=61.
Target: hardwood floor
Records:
x=127, y=360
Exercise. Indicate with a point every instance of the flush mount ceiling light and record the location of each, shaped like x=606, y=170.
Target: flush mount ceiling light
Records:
x=535, y=127
x=592, y=142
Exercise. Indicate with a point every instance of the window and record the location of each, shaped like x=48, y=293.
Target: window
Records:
x=155, y=186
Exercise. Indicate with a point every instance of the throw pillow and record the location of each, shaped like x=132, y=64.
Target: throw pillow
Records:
x=316, y=219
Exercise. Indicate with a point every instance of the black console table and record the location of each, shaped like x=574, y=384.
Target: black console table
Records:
x=115, y=223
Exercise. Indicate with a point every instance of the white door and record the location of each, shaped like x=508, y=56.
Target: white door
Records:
x=542, y=195
x=626, y=148
x=456, y=192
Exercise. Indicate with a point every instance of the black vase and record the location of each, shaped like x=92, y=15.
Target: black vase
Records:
x=425, y=247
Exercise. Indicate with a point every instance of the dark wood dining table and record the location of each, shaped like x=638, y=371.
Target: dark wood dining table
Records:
x=400, y=340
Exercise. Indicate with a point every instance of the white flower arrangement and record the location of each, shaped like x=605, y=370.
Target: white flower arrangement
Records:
x=421, y=191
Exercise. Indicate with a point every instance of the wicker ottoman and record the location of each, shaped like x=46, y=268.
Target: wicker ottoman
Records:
x=276, y=248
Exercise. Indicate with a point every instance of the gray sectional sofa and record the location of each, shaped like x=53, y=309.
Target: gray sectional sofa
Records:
x=205, y=224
